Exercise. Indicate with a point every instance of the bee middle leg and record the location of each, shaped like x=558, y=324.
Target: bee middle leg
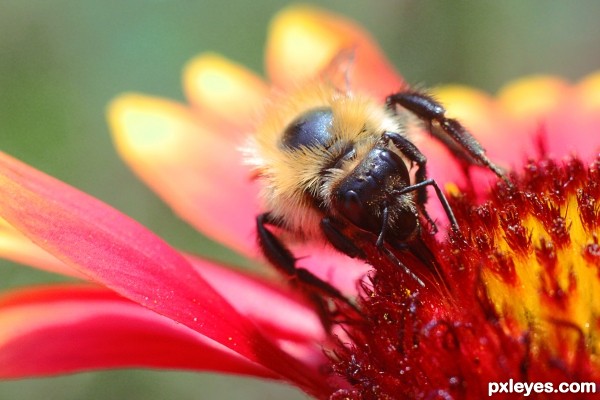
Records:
x=283, y=259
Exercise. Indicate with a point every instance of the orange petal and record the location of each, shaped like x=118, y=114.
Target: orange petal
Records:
x=303, y=41
x=472, y=107
x=221, y=89
x=16, y=247
x=588, y=91
x=199, y=173
x=565, y=116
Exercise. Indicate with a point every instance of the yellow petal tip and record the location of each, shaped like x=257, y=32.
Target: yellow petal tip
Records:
x=302, y=40
x=462, y=101
x=532, y=97
x=217, y=85
x=589, y=92
x=142, y=124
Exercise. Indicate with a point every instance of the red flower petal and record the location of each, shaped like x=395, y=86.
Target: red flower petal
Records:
x=580, y=122
x=73, y=328
x=286, y=312
x=119, y=253
x=332, y=266
x=303, y=41
x=280, y=313
x=188, y=166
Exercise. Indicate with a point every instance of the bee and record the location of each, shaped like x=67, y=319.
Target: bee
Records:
x=339, y=167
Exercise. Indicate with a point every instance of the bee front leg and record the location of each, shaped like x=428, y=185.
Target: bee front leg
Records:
x=440, y=196
x=451, y=132
x=414, y=154
x=333, y=231
x=283, y=259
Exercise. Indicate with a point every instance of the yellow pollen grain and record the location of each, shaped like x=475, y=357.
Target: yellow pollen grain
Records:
x=452, y=189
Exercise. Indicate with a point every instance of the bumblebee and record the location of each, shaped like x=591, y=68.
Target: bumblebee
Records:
x=340, y=167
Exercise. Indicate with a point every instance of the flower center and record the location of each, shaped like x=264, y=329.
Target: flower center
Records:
x=539, y=244
x=515, y=294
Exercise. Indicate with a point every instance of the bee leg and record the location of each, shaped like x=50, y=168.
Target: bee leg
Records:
x=333, y=232
x=387, y=252
x=283, y=259
x=453, y=135
x=440, y=196
x=414, y=154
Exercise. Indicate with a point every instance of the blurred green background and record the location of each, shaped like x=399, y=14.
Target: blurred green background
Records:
x=62, y=61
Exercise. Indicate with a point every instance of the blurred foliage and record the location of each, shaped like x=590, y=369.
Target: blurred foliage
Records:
x=61, y=61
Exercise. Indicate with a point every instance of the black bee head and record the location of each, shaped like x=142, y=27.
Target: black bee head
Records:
x=370, y=188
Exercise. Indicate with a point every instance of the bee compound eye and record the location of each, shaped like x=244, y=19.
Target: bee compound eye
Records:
x=310, y=129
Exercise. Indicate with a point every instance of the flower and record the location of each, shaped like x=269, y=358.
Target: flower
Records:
x=142, y=303
x=518, y=299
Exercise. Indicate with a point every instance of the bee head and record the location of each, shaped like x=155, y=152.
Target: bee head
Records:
x=372, y=187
